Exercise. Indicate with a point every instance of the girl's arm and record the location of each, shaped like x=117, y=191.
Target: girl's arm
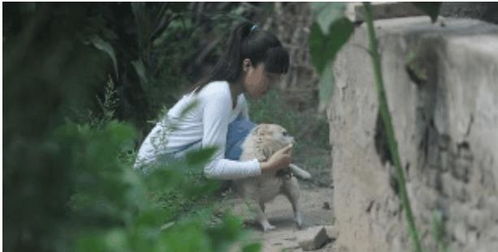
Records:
x=216, y=114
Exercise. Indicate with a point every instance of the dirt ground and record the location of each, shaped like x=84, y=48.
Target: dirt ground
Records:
x=317, y=208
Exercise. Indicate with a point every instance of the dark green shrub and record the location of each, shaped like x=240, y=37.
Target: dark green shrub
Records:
x=68, y=179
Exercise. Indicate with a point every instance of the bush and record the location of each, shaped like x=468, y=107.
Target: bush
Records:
x=68, y=180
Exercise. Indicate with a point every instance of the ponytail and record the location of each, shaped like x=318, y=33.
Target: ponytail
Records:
x=248, y=41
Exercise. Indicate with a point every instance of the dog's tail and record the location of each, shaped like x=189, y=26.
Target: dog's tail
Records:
x=299, y=172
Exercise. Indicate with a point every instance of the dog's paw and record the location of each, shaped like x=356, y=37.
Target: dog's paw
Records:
x=300, y=226
x=268, y=227
x=299, y=221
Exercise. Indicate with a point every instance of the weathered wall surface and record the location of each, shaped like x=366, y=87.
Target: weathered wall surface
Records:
x=442, y=89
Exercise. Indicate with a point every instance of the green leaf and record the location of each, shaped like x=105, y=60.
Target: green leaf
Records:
x=119, y=132
x=201, y=187
x=140, y=69
x=324, y=47
x=228, y=231
x=106, y=47
x=253, y=247
x=431, y=9
x=90, y=242
x=185, y=237
x=318, y=48
x=163, y=176
x=326, y=87
x=116, y=240
x=327, y=13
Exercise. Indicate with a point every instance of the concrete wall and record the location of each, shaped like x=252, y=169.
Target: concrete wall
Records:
x=442, y=89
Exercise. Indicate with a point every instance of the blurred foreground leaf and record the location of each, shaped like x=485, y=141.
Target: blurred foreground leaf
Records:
x=106, y=47
x=324, y=47
x=327, y=37
x=431, y=9
x=327, y=13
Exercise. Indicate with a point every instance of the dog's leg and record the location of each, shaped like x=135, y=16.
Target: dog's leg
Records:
x=261, y=218
x=291, y=191
x=258, y=209
x=262, y=205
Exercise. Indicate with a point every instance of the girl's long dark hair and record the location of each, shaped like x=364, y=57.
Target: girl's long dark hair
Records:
x=247, y=41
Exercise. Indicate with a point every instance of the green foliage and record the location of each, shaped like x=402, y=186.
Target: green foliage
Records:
x=68, y=180
x=152, y=46
x=107, y=48
x=272, y=109
x=158, y=48
x=254, y=247
x=431, y=9
x=115, y=208
x=325, y=45
x=438, y=231
x=108, y=106
x=327, y=14
x=47, y=70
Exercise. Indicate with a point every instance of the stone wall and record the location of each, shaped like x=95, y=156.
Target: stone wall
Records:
x=442, y=87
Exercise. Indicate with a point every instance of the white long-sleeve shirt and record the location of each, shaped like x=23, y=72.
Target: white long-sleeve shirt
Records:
x=200, y=120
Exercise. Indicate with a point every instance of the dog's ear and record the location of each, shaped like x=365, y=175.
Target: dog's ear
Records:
x=256, y=130
x=259, y=130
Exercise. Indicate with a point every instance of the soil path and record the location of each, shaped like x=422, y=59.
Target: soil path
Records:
x=317, y=211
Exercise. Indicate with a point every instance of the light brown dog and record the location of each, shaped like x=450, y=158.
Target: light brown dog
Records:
x=261, y=143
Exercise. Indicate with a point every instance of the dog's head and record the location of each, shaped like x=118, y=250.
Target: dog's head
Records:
x=271, y=137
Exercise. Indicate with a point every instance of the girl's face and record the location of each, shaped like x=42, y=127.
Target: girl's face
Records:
x=257, y=81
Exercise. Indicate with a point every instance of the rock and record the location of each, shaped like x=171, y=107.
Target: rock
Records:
x=312, y=238
x=332, y=232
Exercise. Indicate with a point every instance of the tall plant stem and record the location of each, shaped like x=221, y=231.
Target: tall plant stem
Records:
x=386, y=118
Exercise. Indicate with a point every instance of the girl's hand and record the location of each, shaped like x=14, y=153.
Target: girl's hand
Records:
x=279, y=160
